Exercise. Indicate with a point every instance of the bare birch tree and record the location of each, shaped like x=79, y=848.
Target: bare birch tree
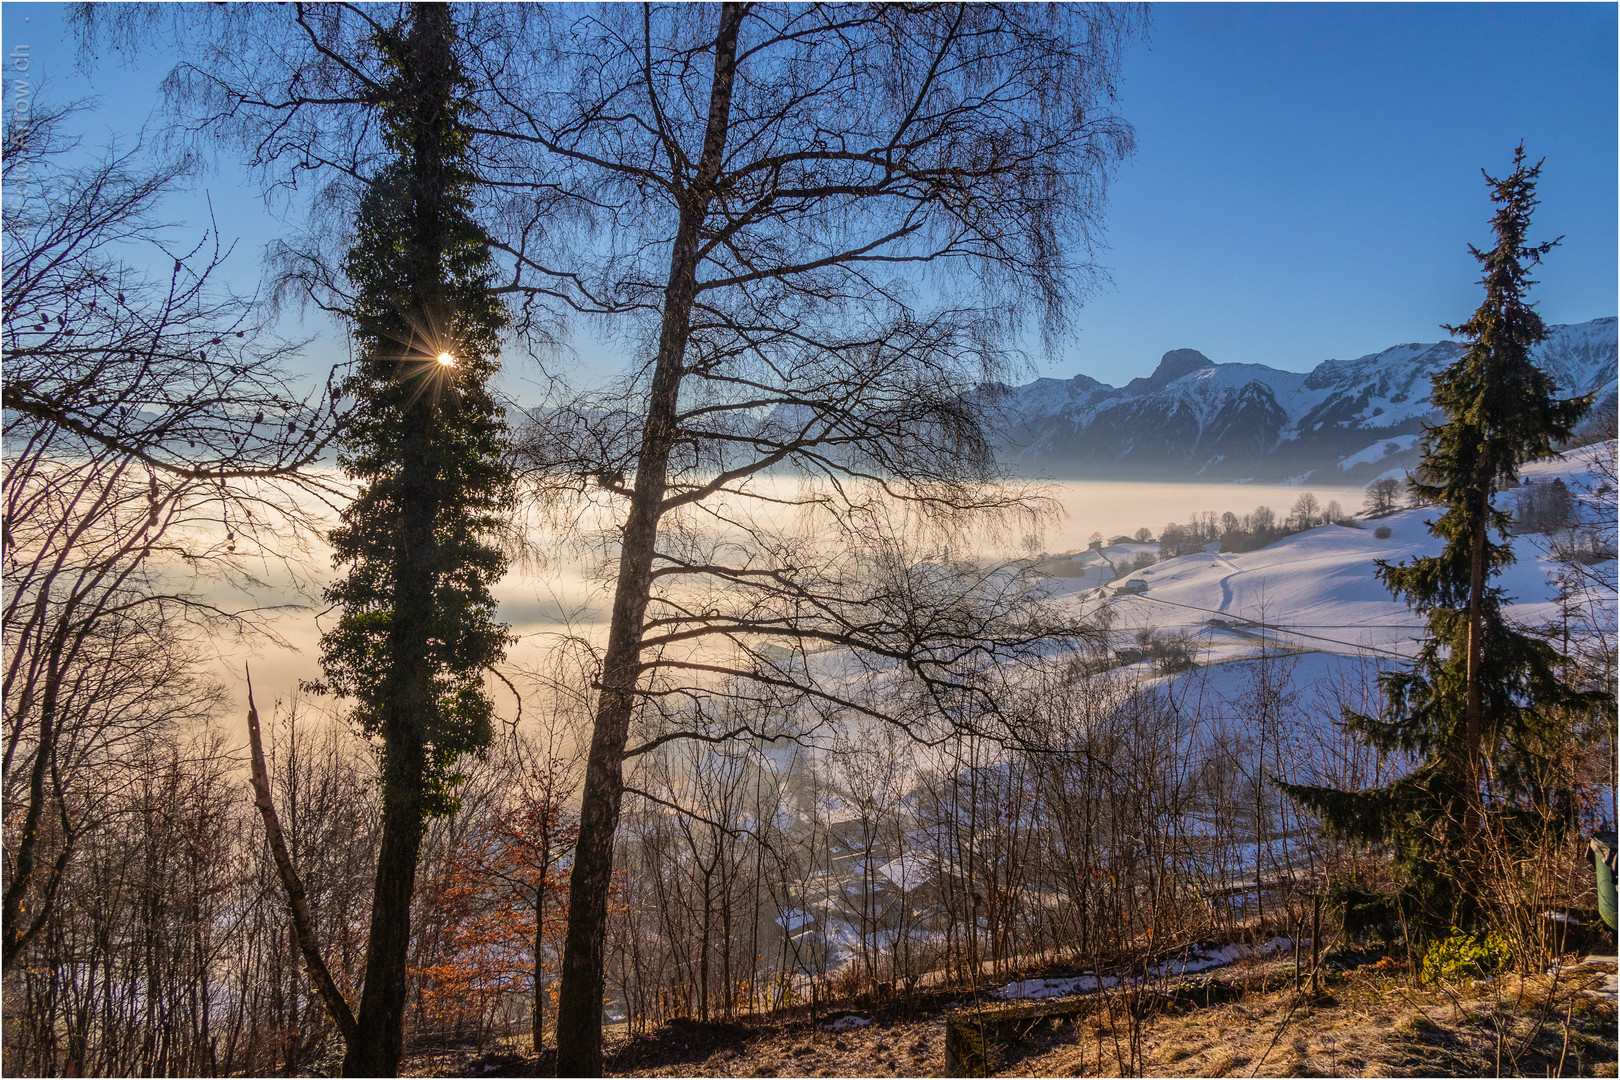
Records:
x=821, y=227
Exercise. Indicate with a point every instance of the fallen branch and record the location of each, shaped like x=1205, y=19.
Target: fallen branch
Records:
x=336, y=1007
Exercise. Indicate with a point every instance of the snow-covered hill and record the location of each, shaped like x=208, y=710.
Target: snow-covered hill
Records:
x=1317, y=590
x=1344, y=422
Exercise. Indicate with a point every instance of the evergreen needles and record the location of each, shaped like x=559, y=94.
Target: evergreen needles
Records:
x=1482, y=711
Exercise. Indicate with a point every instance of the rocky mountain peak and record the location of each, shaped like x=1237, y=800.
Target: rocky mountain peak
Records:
x=1172, y=366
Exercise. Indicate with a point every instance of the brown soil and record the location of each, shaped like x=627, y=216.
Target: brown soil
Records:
x=1367, y=1021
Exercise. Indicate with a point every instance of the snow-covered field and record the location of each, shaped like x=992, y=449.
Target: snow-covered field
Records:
x=1315, y=590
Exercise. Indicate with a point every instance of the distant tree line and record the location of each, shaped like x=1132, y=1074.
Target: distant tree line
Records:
x=1248, y=532
x=1544, y=508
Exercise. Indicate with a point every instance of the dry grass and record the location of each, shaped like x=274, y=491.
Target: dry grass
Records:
x=1368, y=1022
x=893, y=1047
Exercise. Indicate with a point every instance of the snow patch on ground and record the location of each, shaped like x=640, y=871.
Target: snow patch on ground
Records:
x=908, y=871
x=1378, y=451
x=844, y=1023
x=1195, y=959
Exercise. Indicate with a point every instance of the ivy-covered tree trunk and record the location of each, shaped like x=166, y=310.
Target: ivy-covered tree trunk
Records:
x=417, y=628
x=1480, y=710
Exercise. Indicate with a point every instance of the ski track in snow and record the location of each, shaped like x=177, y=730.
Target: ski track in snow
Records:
x=1226, y=590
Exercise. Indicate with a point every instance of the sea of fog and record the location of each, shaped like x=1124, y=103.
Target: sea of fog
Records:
x=1122, y=507
x=548, y=598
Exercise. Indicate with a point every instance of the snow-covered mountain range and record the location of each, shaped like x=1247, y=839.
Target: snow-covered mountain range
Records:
x=1346, y=421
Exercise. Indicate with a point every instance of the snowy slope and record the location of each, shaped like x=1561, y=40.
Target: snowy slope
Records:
x=1317, y=590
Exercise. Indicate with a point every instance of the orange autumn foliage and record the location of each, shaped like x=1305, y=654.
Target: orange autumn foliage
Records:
x=502, y=905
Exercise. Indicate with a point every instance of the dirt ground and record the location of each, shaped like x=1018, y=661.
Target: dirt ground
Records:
x=1367, y=1021
x=1366, y=1024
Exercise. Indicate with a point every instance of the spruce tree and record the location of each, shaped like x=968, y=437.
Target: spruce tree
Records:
x=417, y=626
x=1480, y=710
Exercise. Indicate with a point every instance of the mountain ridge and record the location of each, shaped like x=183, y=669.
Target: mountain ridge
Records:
x=1344, y=421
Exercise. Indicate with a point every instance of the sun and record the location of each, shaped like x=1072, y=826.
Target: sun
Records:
x=447, y=360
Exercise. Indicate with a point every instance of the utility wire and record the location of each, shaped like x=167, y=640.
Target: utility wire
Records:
x=1276, y=628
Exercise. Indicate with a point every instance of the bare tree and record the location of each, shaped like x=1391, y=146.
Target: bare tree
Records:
x=788, y=203
x=871, y=771
x=1381, y=495
x=123, y=979
x=1306, y=513
x=535, y=837
x=153, y=442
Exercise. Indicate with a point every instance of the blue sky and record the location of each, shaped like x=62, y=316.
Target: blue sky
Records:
x=1305, y=186
x=1307, y=176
